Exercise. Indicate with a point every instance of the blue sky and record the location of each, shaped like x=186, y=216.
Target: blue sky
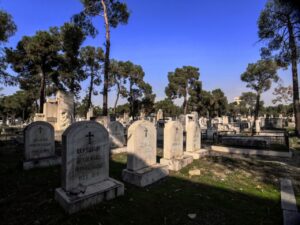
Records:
x=219, y=37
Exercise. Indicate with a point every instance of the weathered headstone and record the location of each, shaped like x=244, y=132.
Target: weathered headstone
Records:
x=90, y=113
x=85, y=168
x=193, y=141
x=39, y=145
x=117, y=137
x=142, y=168
x=173, y=147
x=159, y=115
x=257, y=126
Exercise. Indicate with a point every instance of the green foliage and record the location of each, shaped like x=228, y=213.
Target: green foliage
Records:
x=71, y=73
x=92, y=59
x=17, y=105
x=259, y=76
x=283, y=94
x=36, y=60
x=168, y=107
x=277, y=23
x=182, y=82
x=7, y=26
x=117, y=14
x=7, y=29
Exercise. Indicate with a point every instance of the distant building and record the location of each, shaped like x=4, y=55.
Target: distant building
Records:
x=237, y=100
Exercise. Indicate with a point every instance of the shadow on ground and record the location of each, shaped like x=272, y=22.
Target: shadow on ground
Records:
x=27, y=197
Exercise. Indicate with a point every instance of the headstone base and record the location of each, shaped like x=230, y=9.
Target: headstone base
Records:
x=177, y=164
x=197, y=154
x=95, y=193
x=42, y=162
x=114, y=151
x=145, y=176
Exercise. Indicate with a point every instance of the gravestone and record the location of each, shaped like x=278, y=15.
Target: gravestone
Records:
x=193, y=141
x=159, y=115
x=117, y=137
x=90, y=113
x=142, y=168
x=85, y=167
x=39, y=146
x=173, y=147
x=257, y=126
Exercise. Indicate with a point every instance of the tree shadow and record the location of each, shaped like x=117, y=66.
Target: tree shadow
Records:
x=27, y=197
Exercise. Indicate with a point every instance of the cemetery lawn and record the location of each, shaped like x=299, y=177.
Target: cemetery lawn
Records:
x=230, y=190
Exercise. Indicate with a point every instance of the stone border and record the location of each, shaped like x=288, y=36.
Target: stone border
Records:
x=288, y=203
x=250, y=151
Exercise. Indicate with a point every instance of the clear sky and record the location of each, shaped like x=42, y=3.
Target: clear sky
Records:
x=219, y=37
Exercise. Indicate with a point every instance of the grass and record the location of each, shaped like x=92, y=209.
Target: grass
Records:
x=229, y=191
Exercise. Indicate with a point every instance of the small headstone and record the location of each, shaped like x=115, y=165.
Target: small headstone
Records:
x=142, y=168
x=85, y=168
x=39, y=146
x=173, y=147
x=116, y=134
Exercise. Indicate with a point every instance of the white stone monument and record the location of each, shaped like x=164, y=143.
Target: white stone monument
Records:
x=193, y=141
x=39, y=147
x=90, y=113
x=257, y=126
x=85, y=167
x=142, y=168
x=173, y=147
x=159, y=115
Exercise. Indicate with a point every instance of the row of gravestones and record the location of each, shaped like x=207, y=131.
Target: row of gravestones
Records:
x=85, y=158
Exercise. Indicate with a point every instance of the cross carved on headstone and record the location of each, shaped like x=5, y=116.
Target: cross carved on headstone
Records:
x=90, y=135
x=40, y=129
x=146, y=132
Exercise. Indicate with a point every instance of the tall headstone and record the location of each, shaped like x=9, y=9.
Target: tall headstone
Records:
x=142, y=168
x=117, y=137
x=90, y=113
x=159, y=115
x=193, y=141
x=85, y=168
x=257, y=126
x=173, y=147
x=39, y=145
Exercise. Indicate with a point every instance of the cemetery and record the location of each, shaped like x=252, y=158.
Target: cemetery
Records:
x=196, y=133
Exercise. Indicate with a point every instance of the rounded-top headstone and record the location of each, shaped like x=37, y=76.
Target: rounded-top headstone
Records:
x=85, y=155
x=141, y=145
x=116, y=132
x=38, y=140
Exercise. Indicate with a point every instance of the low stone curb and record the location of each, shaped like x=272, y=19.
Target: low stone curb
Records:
x=251, y=151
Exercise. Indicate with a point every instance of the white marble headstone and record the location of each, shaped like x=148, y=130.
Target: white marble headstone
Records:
x=85, y=155
x=173, y=140
x=141, y=145
x=193, y=137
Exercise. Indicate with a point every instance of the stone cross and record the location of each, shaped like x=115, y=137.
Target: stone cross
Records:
x=90, y=135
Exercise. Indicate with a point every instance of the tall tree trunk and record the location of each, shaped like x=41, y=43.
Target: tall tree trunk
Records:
x=42, y=92
x=293, y=50
x=106, y=60
x=89, y=103
x=256, y=111
x=117, y=99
